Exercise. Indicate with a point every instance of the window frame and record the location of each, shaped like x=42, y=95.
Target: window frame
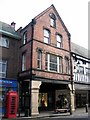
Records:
x=23, y=61
x=39, y=60
x=81, y=71
x=87, y=70
x=3, y=62
x=59, y=40
x=52, y=20
x=67, y=65
x=4, y=42
x=57, y=63
x=46, y=37
x=25, y=37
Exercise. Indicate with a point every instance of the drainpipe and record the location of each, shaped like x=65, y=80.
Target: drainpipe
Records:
x=71, y=74
x=31, y=57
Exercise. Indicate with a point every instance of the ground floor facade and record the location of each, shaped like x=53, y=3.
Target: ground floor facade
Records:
x=82, y=95
x=45, y=95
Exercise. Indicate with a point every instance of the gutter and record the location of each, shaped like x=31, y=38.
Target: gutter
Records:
x=10, y=34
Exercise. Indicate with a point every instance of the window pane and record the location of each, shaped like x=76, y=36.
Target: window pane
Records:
x=23, y=62
x=67, y=66
x=4, y=42
x=60, y=65
x=53, y=62
x=46, y=40
x=46, y=33
x=53, y=58
x=59, y=41
x=3, y=65
x=46, y=36
x=39, y=59
x=25, y=38
x=81, y=69
x=52, y=22
x=53, y=67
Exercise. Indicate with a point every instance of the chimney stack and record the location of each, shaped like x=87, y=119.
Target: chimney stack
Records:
x=13, y=24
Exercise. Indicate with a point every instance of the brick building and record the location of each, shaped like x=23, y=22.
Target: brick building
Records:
x=44, y=73
x=9, y=47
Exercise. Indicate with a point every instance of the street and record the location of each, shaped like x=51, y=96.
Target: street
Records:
x=79, y=114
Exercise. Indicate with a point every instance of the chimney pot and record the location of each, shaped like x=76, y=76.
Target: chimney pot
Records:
x=13, y=24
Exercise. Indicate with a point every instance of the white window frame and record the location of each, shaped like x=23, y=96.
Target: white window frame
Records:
x=67, y=65
x=3, y=73
x=58, y=64
x=59, y=41
x=46, y=36
x=39, y=59
x=25, y=37
x=23, y=61
x=4, y=42
x=52, y=22
x=81, y=69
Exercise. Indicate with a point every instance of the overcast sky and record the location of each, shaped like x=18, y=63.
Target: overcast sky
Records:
x=74, y=14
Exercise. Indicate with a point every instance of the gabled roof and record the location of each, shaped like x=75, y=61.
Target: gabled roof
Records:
x=42, y=13
x=79, y=50
x=52, y=7
x=8, y=30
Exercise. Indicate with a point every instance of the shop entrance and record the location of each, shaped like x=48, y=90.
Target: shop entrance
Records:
x=81, y=99
x=47, y=95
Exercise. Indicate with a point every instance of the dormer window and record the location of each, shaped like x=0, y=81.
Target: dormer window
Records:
x=52, y=20
x=25, y=38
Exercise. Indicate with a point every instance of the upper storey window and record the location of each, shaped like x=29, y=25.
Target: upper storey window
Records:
x=52, y=20
x=23, y=61
x=3, y=68
x=4, y=42
x=46, y=36
x=25, y=38
x=59, y=41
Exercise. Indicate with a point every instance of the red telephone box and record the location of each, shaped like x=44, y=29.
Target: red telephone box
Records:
x=11, y=104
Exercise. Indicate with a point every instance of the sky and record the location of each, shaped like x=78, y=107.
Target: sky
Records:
x=74, y=14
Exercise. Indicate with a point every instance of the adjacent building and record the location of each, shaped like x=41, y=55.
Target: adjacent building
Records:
x=9, y=44
x=81, y=75
x=45, y=64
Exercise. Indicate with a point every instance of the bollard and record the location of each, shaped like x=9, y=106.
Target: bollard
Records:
x=26, y=112
x=70, y=109
x=86, y=107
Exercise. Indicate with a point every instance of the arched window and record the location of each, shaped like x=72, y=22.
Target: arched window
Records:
x=52, y=20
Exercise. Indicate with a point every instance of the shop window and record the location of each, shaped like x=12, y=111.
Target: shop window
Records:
x=3, y=68
x=43, y=102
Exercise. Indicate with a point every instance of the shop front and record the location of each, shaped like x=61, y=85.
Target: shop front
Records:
x=5, y=86
x=81, y=95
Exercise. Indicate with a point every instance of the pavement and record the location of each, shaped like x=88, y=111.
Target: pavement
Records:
x=77, y=113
